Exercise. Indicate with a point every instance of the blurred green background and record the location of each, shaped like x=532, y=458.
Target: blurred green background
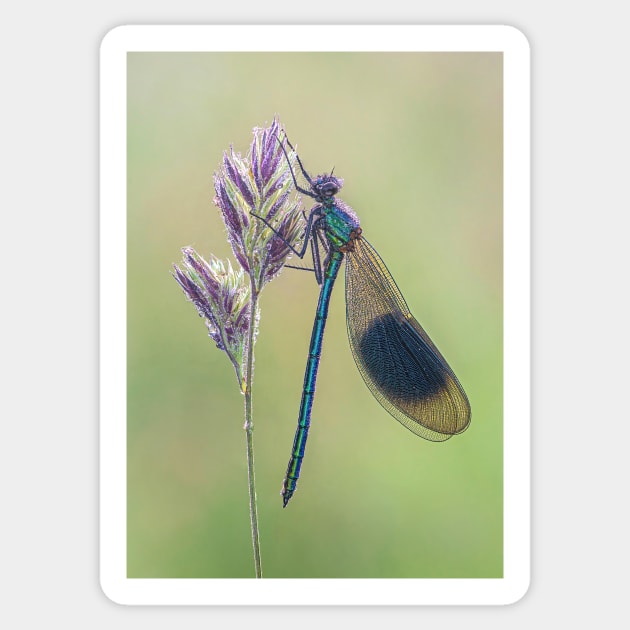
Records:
x=418, y=139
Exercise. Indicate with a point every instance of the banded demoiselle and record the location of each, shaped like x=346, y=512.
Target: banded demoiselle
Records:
x=398, y=362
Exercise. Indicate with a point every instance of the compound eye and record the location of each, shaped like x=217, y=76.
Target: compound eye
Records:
x=329, y=189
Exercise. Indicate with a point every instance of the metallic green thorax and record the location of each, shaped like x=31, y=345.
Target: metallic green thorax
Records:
x=340, y=222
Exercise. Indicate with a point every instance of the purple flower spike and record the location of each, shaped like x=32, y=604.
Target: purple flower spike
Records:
x=263, y=226
x=221, y=297
x=253, y=195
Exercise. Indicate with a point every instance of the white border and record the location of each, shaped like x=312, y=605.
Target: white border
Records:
x=113, y=340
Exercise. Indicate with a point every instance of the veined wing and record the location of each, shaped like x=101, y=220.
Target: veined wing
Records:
x=398, y=362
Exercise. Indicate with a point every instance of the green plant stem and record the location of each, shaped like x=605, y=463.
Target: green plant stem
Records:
x=249, y=429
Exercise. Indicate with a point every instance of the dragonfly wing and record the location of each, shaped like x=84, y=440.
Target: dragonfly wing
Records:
x=398, y=362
